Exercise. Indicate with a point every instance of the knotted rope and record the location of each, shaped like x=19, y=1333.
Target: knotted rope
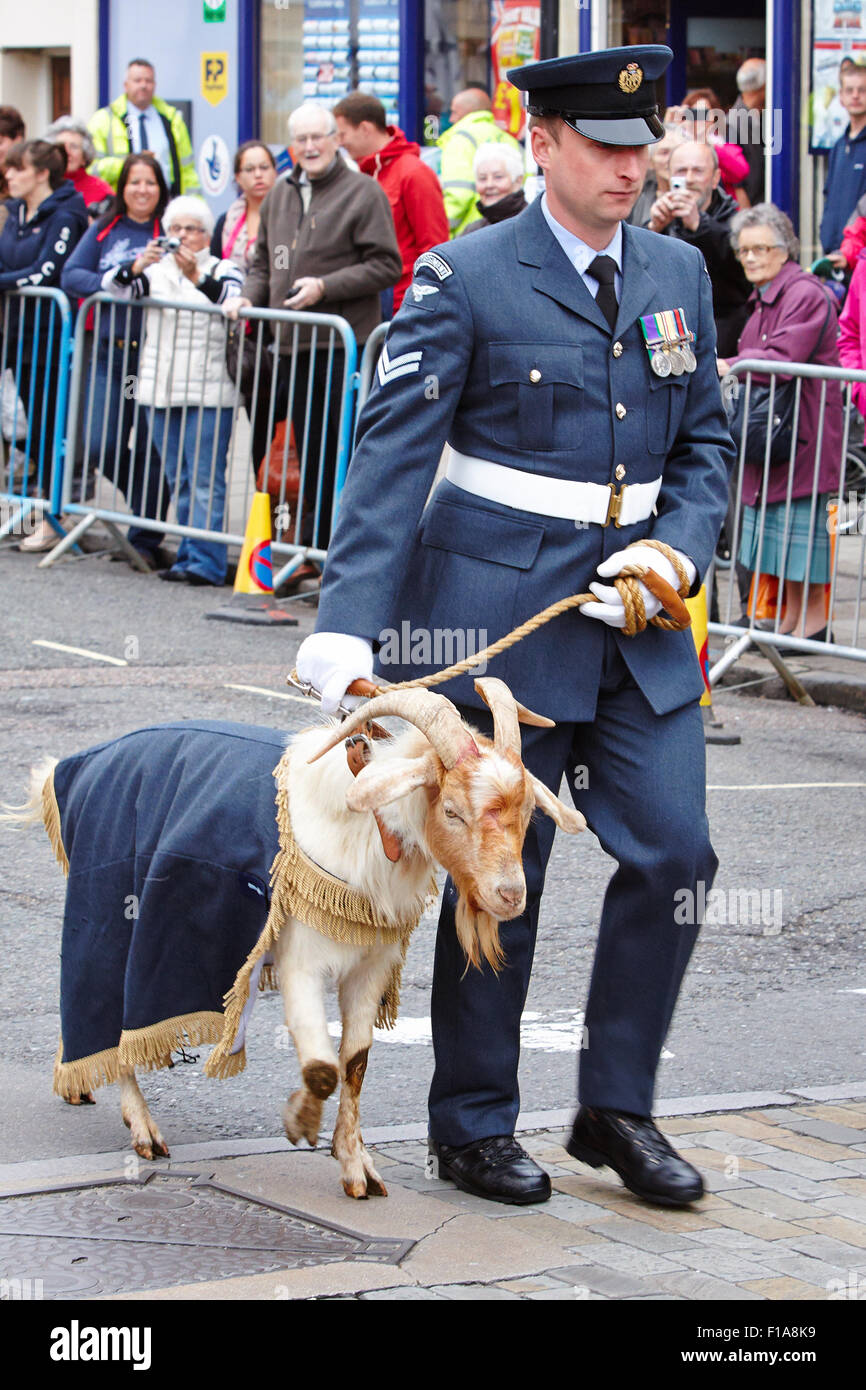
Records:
x=627, y=585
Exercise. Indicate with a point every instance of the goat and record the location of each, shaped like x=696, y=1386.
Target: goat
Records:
x=439, y=793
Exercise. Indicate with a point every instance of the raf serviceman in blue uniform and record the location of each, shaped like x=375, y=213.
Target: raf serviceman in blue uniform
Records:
x=568, y=359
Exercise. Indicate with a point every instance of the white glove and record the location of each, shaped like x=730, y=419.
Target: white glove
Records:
x=330, y=661
x=611, y=609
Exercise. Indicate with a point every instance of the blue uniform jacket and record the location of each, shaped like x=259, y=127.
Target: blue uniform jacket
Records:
x=483, y=314
x=844, y=185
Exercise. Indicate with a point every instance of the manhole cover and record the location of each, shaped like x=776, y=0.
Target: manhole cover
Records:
x=169, y=1228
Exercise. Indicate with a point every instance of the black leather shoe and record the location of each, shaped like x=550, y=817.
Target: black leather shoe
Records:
x=638, y=1152
x=496, y=1168
x=198, y=581
x=174, y=576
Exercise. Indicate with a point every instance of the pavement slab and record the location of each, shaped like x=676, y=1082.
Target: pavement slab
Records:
x=781, y=1225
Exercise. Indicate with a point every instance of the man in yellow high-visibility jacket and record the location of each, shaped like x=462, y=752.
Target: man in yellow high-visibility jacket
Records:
x=139, y=120
x=472, y=125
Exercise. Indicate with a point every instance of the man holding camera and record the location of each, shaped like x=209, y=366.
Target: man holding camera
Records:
x=698, y=210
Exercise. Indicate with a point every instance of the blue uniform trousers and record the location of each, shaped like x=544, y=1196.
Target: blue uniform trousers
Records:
x=644, y=799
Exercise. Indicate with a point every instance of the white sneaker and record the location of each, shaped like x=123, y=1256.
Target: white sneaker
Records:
x=44, y=537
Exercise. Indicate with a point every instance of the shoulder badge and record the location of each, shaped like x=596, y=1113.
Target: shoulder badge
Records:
x=630, y=78
x=420, y=292
x=440, y=267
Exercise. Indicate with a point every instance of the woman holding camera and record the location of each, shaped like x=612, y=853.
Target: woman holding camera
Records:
x=108, y=407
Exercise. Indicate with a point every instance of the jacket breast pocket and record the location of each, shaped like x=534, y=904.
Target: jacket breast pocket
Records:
x=537, y=395
x=666, y=401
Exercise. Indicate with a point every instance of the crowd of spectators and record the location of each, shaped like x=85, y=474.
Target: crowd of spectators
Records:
x=109, y=205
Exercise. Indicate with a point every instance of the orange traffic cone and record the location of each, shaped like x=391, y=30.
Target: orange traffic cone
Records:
x=697, y=607
x=252, y=600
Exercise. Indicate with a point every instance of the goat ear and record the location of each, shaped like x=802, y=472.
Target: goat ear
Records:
x=378, y=784
x=566, y=817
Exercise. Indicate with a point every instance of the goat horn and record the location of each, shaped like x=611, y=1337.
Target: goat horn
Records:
x=433, y=714
x=507, y=713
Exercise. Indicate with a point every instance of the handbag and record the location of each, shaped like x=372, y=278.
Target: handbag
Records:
x=241, y=343
x=781, y=427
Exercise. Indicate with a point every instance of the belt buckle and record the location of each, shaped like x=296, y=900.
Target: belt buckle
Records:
x=614, y=506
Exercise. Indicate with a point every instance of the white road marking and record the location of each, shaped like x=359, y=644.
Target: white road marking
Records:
x=851, y=991
x=778, y=786
x=559, y=1031
x=261, y=690
x=79, y=651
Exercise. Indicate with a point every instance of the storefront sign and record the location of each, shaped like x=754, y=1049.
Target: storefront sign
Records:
x=214, y=77
x=214, y=165
x=514, y=40
x=839, y=32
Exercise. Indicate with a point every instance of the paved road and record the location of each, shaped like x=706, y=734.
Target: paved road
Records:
x=772, y=1001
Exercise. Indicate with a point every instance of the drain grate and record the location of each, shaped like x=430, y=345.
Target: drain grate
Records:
x=114, y=1236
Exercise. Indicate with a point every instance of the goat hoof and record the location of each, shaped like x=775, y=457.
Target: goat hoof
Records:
x=356, y=1188
x=81, y=1098
x=321, y=1078
x=301, y=1116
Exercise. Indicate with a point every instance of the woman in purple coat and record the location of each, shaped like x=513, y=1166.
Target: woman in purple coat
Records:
x=793, y=319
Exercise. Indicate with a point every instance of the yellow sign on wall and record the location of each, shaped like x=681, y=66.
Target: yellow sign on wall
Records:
x=214, y=77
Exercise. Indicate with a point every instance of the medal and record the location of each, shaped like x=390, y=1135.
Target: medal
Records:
x=660, y=363
x=678, y=362
x=689, y=357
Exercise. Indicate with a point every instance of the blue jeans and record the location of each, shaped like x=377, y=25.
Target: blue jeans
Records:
x=175, y=432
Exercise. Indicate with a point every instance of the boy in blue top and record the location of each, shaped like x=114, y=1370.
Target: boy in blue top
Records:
x=846, y=170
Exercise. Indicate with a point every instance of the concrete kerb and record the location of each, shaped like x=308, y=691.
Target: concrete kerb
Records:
x=30, y=1174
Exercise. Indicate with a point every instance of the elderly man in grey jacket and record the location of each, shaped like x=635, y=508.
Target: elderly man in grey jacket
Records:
x=327, y=244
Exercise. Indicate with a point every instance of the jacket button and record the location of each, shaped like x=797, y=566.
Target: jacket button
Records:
x=619, y=472
x=620, y=410
x=535, y=376
x=617, y=349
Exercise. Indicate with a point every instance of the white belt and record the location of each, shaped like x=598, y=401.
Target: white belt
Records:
x=597, y=503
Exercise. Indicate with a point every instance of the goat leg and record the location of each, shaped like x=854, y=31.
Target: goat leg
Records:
x=360, y=992
x=302, y=981
x=146, y=1138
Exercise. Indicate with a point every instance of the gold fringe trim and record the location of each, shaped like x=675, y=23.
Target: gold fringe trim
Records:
x=88, y=1073
x=146, y=1049
x=51, y=820
x=301, y=889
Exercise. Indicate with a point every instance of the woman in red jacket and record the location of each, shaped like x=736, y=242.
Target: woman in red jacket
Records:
x=80, y=150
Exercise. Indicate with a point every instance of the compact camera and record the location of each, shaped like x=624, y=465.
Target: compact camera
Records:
x=678, y=183
x=168, y=243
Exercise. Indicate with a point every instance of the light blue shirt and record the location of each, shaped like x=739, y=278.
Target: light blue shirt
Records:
x=582, y=255
x=157, y=140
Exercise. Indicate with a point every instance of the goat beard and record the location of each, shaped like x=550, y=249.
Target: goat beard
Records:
x=478, y=934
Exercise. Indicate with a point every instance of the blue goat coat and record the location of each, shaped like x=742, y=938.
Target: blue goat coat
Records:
x=170, y=833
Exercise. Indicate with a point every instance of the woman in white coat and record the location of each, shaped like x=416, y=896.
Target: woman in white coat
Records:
x=183, y=377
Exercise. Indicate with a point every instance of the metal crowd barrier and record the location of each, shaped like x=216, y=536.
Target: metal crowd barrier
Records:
x=792, y=536
x=35, y=334
x=147, y=374
x=369, y=361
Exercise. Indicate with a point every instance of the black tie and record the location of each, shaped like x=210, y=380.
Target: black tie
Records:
x=603, y=269
x=142, y=131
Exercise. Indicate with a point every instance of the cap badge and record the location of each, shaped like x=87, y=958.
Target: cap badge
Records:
x=630, y=78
